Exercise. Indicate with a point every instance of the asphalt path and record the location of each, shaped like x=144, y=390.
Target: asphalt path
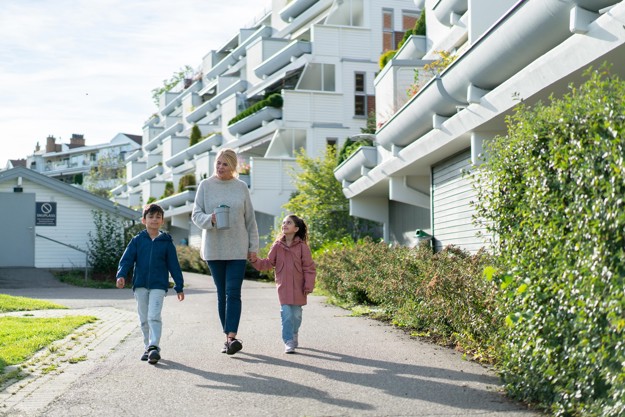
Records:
x=345, y=365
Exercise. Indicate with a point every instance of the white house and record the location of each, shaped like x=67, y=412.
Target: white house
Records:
x=45, y=222
x=319, y=56
x=505, y=51
x=71, y=163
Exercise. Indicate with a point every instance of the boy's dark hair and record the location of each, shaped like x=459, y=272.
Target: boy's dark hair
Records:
x=302, y=232
x=152, y=208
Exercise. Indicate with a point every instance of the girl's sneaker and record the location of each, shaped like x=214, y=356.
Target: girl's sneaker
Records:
x=233, y=346
x=289, y=346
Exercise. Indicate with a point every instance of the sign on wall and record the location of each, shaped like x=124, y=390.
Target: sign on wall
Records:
x=45, y=214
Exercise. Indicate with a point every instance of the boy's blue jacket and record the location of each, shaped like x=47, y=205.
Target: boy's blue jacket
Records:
x=153, y=260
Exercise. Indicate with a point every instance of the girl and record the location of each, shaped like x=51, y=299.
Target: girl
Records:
x=294, y=273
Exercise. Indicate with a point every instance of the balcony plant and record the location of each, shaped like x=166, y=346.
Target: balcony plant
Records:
x=274, y=100
x=186, y=181
x=425, y=74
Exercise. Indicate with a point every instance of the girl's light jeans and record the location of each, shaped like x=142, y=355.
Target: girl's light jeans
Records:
x=149, y=306
x=291, y=320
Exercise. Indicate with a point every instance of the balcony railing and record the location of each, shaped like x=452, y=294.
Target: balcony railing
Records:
x=255, y=120
x=357, y=165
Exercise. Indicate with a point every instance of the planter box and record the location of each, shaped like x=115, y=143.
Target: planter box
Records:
x=254, y=121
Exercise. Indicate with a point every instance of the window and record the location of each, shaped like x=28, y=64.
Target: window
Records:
x=331, y=141
x=360, y=94
x=388, y=37
x=408, y=20
x=319, y=77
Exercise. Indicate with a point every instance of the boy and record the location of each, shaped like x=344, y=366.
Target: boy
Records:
x=153, y=254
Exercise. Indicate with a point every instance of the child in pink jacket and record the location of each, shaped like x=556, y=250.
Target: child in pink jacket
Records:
x=295, y=275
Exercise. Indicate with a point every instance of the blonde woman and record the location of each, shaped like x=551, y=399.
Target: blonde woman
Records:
x=226, y=250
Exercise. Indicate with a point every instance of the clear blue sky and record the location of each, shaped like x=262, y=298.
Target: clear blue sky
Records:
x=88, y=66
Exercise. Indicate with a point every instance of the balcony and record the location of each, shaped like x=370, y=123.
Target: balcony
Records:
x=211, y=105
x=415, y=47
x=255, y=120
x=177, y=200
x=197, y=149
x=445, y=10
x=357, y=165
x=283, y=57
x=237, y=53
x=171, y=130
x=173, y=104
x=146, y=175
x=489, y=62
x=295, y=8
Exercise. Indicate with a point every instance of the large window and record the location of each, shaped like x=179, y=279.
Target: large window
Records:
x=318, y=77
x=360, y=94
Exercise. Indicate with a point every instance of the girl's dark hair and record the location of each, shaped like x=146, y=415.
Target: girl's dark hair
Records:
x=302, y=232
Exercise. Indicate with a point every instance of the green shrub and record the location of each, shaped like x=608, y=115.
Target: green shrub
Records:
x=169, y=190
x=419, y=27
x=552, y=192
x=350, y=146
x=443, y=295
x=195, y=136
x=186, y=180
x=190, y=260
x=385, y=57
x=106, y=246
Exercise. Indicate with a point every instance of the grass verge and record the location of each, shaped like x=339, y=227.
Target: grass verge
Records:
x=11, y=303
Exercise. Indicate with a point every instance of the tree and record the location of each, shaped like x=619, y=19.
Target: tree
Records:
x=176, y=77
x=320, y=201
x=105, y=175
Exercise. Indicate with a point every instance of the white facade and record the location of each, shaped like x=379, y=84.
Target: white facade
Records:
x=311, y=53
x=51, y=243
x=506, y=51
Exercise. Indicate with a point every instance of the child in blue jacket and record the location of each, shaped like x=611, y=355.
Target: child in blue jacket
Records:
x=153, y=255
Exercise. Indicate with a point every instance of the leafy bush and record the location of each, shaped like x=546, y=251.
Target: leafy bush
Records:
x=190, y=260
x=552, y=192
x=106, y=246
x=419, y=27
x=442, y=295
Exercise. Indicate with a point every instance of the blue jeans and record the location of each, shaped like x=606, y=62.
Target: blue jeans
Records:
x=228, y=277
x=149, y=306
x=291, y=320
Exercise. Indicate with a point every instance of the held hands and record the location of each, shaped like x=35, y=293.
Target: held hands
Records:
x=121, y=282
x=252, y=257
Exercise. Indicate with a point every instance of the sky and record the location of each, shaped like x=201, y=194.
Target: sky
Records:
x=89, y=66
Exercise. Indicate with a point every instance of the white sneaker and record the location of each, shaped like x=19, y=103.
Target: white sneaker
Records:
x=289, y=347
x=295, y=342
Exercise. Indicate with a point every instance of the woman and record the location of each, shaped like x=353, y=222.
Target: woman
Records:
x=226, y=250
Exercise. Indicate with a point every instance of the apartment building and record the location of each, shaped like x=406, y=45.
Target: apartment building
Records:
x=299, y=78
x=71, y=162
x=488, y=55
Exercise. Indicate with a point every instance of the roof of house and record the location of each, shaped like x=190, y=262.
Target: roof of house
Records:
x=70, y=191
x=18, y=162
x=136, y=138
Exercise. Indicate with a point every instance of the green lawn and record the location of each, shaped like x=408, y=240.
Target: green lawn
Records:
x=22, y=337
x=10, y=303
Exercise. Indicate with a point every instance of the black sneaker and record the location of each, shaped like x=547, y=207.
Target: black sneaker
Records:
x=225, y=348
x=233, y=346
x=153, y=355
x=144, y=357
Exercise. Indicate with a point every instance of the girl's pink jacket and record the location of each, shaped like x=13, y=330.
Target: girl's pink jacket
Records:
x=294, y=269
